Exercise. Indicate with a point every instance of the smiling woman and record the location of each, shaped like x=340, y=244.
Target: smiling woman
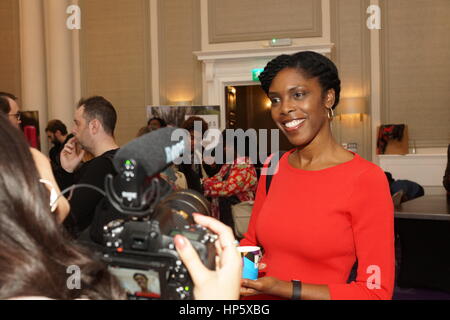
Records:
x=328, y=209
x=304, y=89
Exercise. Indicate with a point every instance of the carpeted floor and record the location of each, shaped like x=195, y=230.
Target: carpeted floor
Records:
x=419, y=294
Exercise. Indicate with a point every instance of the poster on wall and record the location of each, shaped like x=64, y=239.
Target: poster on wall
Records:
x=176, y=115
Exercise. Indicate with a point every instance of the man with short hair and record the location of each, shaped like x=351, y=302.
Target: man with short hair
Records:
x=57, y=134
x=9, y=106
x=95, y=121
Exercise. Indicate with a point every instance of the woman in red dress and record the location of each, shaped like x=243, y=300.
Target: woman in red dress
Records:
x=328, y=210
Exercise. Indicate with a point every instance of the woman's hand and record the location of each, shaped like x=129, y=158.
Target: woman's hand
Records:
x=224, y=282
x=45, y=172
x=264, y=285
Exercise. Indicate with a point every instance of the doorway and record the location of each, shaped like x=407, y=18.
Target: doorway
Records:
x=248, y=107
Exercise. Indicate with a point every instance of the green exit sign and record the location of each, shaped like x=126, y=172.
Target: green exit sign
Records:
x=256, y=73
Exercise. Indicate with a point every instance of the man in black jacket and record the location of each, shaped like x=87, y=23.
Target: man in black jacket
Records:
x=94, y=123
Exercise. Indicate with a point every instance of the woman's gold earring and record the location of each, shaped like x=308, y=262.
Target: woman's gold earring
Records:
x=330, y=113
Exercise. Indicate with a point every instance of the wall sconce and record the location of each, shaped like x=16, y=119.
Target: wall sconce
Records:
x=231, y=90
x=352, y=106
x=180, y=103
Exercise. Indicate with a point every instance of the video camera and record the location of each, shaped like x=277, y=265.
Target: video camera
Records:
x=139, y=249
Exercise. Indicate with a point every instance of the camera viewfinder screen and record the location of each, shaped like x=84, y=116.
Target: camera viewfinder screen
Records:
x=139, y=284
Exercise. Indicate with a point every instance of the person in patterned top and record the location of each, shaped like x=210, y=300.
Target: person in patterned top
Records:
x=235, y=182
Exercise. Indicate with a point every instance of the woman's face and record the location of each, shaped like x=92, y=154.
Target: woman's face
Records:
x=299, y=107
x=154, y=124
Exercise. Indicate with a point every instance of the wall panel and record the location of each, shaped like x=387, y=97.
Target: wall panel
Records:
x=352, y=57
x=10, y=47
x=115, y=59
x=179, y=35
x=416, y=69
x=235, y=20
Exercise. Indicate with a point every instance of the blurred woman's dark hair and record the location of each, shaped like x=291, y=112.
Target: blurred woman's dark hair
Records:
x=35, y=252
x=311, y=65
x=189, y=124
x=162, y=123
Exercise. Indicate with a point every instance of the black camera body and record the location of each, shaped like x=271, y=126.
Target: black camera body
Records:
x=138, y=243
x=143, y=214
x=141, y=247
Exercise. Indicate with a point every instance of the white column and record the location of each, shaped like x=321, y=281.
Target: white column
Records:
x=375, y=85
x=154, y=35
x=33, y=63
x=62, y=82
x=76, y=63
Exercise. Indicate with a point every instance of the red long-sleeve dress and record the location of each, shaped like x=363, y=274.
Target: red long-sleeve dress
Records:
x=313, y=225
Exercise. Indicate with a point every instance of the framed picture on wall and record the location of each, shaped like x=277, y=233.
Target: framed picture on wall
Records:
x=176, y=115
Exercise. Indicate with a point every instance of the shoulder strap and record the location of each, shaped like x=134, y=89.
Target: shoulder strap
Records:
x=276, y=157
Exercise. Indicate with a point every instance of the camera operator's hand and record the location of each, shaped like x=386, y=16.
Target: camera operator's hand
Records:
x=222, y=284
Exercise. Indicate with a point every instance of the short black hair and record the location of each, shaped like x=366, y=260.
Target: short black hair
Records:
x=310, y=64
x=5, y=107
x=99, y=108
x=162, y=123
x=55, y=125
x=139, y=274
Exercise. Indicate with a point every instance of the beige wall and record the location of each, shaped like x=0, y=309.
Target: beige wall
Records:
x=179, y=35
x=416, y=69
x=352, y=57
x=115, y=59
x=116, y=56
x=10, y=47
x=236, y=20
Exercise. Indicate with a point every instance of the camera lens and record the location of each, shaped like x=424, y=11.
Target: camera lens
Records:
x=175, y=211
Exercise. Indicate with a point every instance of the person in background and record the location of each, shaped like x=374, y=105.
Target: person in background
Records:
x=142, y=131
x=156, y=123
x=194, y=171
x=9, y=106
x=57, y=134
x=327, y=209
x=235, y=180
x=95, y=120
x=36, y=252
